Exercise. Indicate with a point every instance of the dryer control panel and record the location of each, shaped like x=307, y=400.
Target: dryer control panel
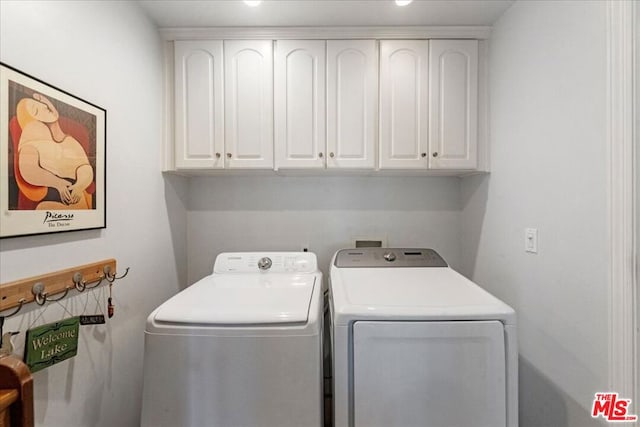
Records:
x=276, y=262
x=388, y=257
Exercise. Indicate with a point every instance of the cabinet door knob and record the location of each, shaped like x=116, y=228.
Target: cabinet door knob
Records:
x=320, y=155
x=217, y=155
x=228, y=155
x=435, y=154
x=331, y=154
x=424, y=154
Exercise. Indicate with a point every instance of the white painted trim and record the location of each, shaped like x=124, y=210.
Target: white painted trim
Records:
x=636, y=203
x=168, y=162
x=622, y=280
x=326, y=33
x=484, y=108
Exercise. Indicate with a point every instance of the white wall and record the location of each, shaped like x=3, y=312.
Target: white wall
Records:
x=548, y=118
x=109, y=54
x=322, y=213
x=637, y=172
x=548, y=171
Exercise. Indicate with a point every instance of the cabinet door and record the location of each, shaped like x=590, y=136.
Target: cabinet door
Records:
x=453, y=104
x=199, y=119
x=403, y=104
x=299, y=93
x=352, y=101
x=248, y=85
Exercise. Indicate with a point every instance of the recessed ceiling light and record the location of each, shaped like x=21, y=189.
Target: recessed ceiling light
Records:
x=403, y=2
x=253, y=3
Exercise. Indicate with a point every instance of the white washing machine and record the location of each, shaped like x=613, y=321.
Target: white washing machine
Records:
x=417, y=344
x=239, y=348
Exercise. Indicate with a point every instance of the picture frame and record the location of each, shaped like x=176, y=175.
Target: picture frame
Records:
x=52, y=158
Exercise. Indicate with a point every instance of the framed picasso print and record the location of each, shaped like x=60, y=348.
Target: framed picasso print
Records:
x=52, y=158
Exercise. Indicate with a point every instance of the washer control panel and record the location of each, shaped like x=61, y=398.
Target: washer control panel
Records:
x=276, y=262
x=388, y=257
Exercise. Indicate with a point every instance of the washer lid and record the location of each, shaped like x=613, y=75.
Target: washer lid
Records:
x=242, y=299
x=412, y=294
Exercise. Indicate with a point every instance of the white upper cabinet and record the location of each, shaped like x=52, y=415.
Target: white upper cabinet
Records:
x=199, y=118
x=403, y=104
x=357, y=104
x=299, y=85
x=453, y=104
x=352, y=103
x=248, y=86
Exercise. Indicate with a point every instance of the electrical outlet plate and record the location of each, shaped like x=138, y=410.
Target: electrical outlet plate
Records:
x=531, y=240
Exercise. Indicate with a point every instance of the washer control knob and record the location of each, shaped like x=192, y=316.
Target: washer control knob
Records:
x=389, y=256
x=264, y=263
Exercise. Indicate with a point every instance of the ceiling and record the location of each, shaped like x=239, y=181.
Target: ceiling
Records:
x=235, y=13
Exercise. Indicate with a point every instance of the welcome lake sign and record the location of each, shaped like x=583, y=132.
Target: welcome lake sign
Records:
x=52, y=343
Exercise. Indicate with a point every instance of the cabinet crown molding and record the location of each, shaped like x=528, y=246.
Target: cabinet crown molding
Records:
x=327, y=33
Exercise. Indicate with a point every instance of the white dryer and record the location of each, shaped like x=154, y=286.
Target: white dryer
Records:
x=239, y=348
x=417, y=344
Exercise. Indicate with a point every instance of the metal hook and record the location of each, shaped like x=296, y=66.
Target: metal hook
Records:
x=126, y=271
x=112, y=277
x=96, y=285
x=66, y=291
x=38, y=293
x=41, y=297
x=107, y=274
x=17, y=310
x=79, y=282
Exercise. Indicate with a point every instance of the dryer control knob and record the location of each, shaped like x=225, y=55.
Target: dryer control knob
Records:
x=389, y=256
x=264, y=263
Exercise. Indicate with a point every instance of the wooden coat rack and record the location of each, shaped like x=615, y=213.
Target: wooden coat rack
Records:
x=20, y=292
